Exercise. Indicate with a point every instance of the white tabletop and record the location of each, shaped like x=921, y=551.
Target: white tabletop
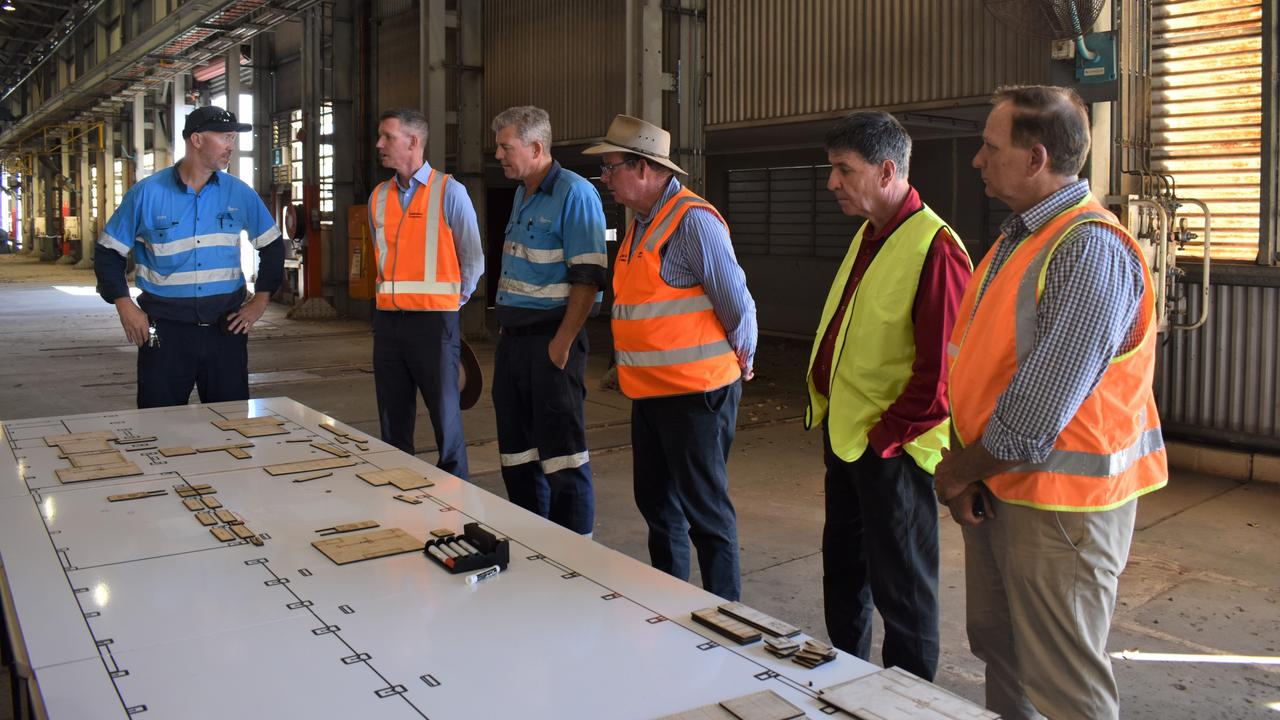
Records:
x=135, y=604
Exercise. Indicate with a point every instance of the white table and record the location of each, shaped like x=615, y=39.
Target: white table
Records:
x=134, y=609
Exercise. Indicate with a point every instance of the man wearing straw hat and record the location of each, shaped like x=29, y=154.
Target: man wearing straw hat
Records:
x=684, y=333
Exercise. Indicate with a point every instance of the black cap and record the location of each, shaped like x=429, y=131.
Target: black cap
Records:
x=212, y=119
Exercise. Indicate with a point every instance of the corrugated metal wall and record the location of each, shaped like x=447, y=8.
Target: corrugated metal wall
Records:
x=565, y=56
x=1206, y=107
x=1223, y=377
x=774, y=61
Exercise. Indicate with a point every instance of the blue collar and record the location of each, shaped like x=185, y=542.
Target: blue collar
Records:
x=422, y=175
x=177, y=177
x=548, y=184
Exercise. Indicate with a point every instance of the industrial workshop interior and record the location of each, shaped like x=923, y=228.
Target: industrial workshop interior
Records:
x=717, y=359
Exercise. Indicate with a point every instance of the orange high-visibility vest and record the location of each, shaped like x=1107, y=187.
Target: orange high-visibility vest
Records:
x=668, y=341
x=417, y=262
x=1112, y=450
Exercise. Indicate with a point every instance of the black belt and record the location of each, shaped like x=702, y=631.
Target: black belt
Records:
x=546, y=327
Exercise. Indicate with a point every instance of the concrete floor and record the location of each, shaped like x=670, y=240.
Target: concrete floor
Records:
x=1201, y=579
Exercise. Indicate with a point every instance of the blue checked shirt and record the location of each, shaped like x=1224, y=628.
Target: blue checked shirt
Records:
x=699, y=252
x=1087, y=315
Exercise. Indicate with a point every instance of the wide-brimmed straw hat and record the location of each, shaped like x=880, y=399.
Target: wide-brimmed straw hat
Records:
x=632, y=135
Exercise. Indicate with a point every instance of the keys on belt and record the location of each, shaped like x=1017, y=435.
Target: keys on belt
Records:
x=153, y=338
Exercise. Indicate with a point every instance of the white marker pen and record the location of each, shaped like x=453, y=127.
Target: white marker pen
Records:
x=468, y=547
x=440, y=555
x=483, y=574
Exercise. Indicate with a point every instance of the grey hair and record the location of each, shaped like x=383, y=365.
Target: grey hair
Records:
x=412, y=120
x=532, y=124
x=876, y=136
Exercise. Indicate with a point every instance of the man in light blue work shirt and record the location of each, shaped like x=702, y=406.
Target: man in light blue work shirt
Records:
x=183, y=225
x=553, y=275
x=427, y=247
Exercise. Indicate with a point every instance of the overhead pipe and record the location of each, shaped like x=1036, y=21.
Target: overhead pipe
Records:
x=53, y=50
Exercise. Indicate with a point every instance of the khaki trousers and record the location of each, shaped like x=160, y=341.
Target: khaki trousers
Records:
x=1041, y=591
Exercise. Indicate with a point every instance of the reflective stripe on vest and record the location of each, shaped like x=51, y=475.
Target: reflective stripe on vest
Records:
x=667, y=340
x=878, y=333
x=427, y=286
x=1094, y=465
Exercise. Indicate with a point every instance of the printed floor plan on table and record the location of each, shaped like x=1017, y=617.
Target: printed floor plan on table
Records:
x=168, y=563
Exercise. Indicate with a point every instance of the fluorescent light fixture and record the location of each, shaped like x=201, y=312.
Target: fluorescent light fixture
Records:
x=6, y=5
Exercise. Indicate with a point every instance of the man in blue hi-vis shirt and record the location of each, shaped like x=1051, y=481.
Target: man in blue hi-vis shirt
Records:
x=183, y=225
x=553, y=272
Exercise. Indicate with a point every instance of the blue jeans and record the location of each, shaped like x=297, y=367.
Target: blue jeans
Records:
x=681, y=447
x=417, y=352
x=880, y=551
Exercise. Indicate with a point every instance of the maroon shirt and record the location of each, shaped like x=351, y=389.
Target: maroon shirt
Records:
x=923, y=402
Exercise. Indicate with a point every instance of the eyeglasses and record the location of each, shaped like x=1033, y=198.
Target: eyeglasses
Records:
x=606, y=168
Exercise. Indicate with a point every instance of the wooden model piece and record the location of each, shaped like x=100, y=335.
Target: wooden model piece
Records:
x=366, y=546
x=136, y=495
x=348, y=527
x=312, y=476
x=309, y=465
x=363, y=447
x=402, y=478
x=706, y=712
x=342, y=435
x=133, y=440
x=735, y=630
x=253, y=427
x=80, y=442
x=229, y=446
x=97, y=459
x=211, y=502
x=764, y=705
x=896, y=693
x=781, y=646
x=411, y=499
x=814, y=653
x=193, y=504
x=177, y=451
x=331, y=449
x=235, y=450
x=60, y=440
x=443, y=532
x=228, y=517
x=242, y=532
x=82, y=446
x=101, y=472
x=759, y=620
x=193, y=490
x=206, y=518
x=222, y=534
